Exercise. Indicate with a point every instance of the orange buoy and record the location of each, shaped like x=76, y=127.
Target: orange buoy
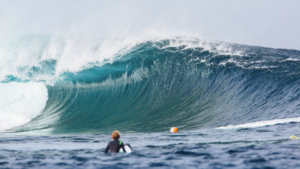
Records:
x=173, y=130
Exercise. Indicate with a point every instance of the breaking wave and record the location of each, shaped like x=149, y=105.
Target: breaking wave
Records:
x=150, y=86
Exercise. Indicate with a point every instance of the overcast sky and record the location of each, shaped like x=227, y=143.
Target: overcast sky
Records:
x=270, y=23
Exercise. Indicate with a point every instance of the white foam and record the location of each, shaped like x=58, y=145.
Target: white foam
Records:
x=292, y=59
x=21, y=102
x=74, y=53
x=71, y=52
x=261, y=123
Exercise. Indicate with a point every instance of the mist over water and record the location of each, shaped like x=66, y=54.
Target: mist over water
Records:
x=260, y=23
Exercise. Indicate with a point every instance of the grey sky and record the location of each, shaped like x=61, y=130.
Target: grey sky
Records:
x=271, y=23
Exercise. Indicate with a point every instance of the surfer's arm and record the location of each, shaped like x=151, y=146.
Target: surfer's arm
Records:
x=107, y=148
x=128, y=145
x=122, y=146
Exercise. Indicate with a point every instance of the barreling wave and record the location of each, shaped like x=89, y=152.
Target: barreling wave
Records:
x=158, y=84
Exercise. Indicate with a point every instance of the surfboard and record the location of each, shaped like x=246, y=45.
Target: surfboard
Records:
x=127, y=149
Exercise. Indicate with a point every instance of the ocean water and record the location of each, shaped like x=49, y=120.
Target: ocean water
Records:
x=235, y=106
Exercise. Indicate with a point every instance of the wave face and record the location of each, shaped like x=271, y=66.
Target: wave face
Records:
x=155, y=85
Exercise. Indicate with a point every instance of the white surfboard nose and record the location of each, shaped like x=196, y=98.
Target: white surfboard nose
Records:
x=127, y=149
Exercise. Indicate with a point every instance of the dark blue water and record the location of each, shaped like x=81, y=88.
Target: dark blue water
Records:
x=206, y=90
x=264, y=147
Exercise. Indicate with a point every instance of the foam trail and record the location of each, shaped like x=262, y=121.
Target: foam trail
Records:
x=261, y=123
x=21, y=102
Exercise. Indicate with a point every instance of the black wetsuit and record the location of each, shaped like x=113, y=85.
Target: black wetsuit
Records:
x=115, y=146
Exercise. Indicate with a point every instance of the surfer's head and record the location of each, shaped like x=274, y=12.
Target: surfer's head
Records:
x=115, y=135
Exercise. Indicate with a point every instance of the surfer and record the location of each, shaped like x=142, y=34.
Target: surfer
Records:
x=115, y=145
